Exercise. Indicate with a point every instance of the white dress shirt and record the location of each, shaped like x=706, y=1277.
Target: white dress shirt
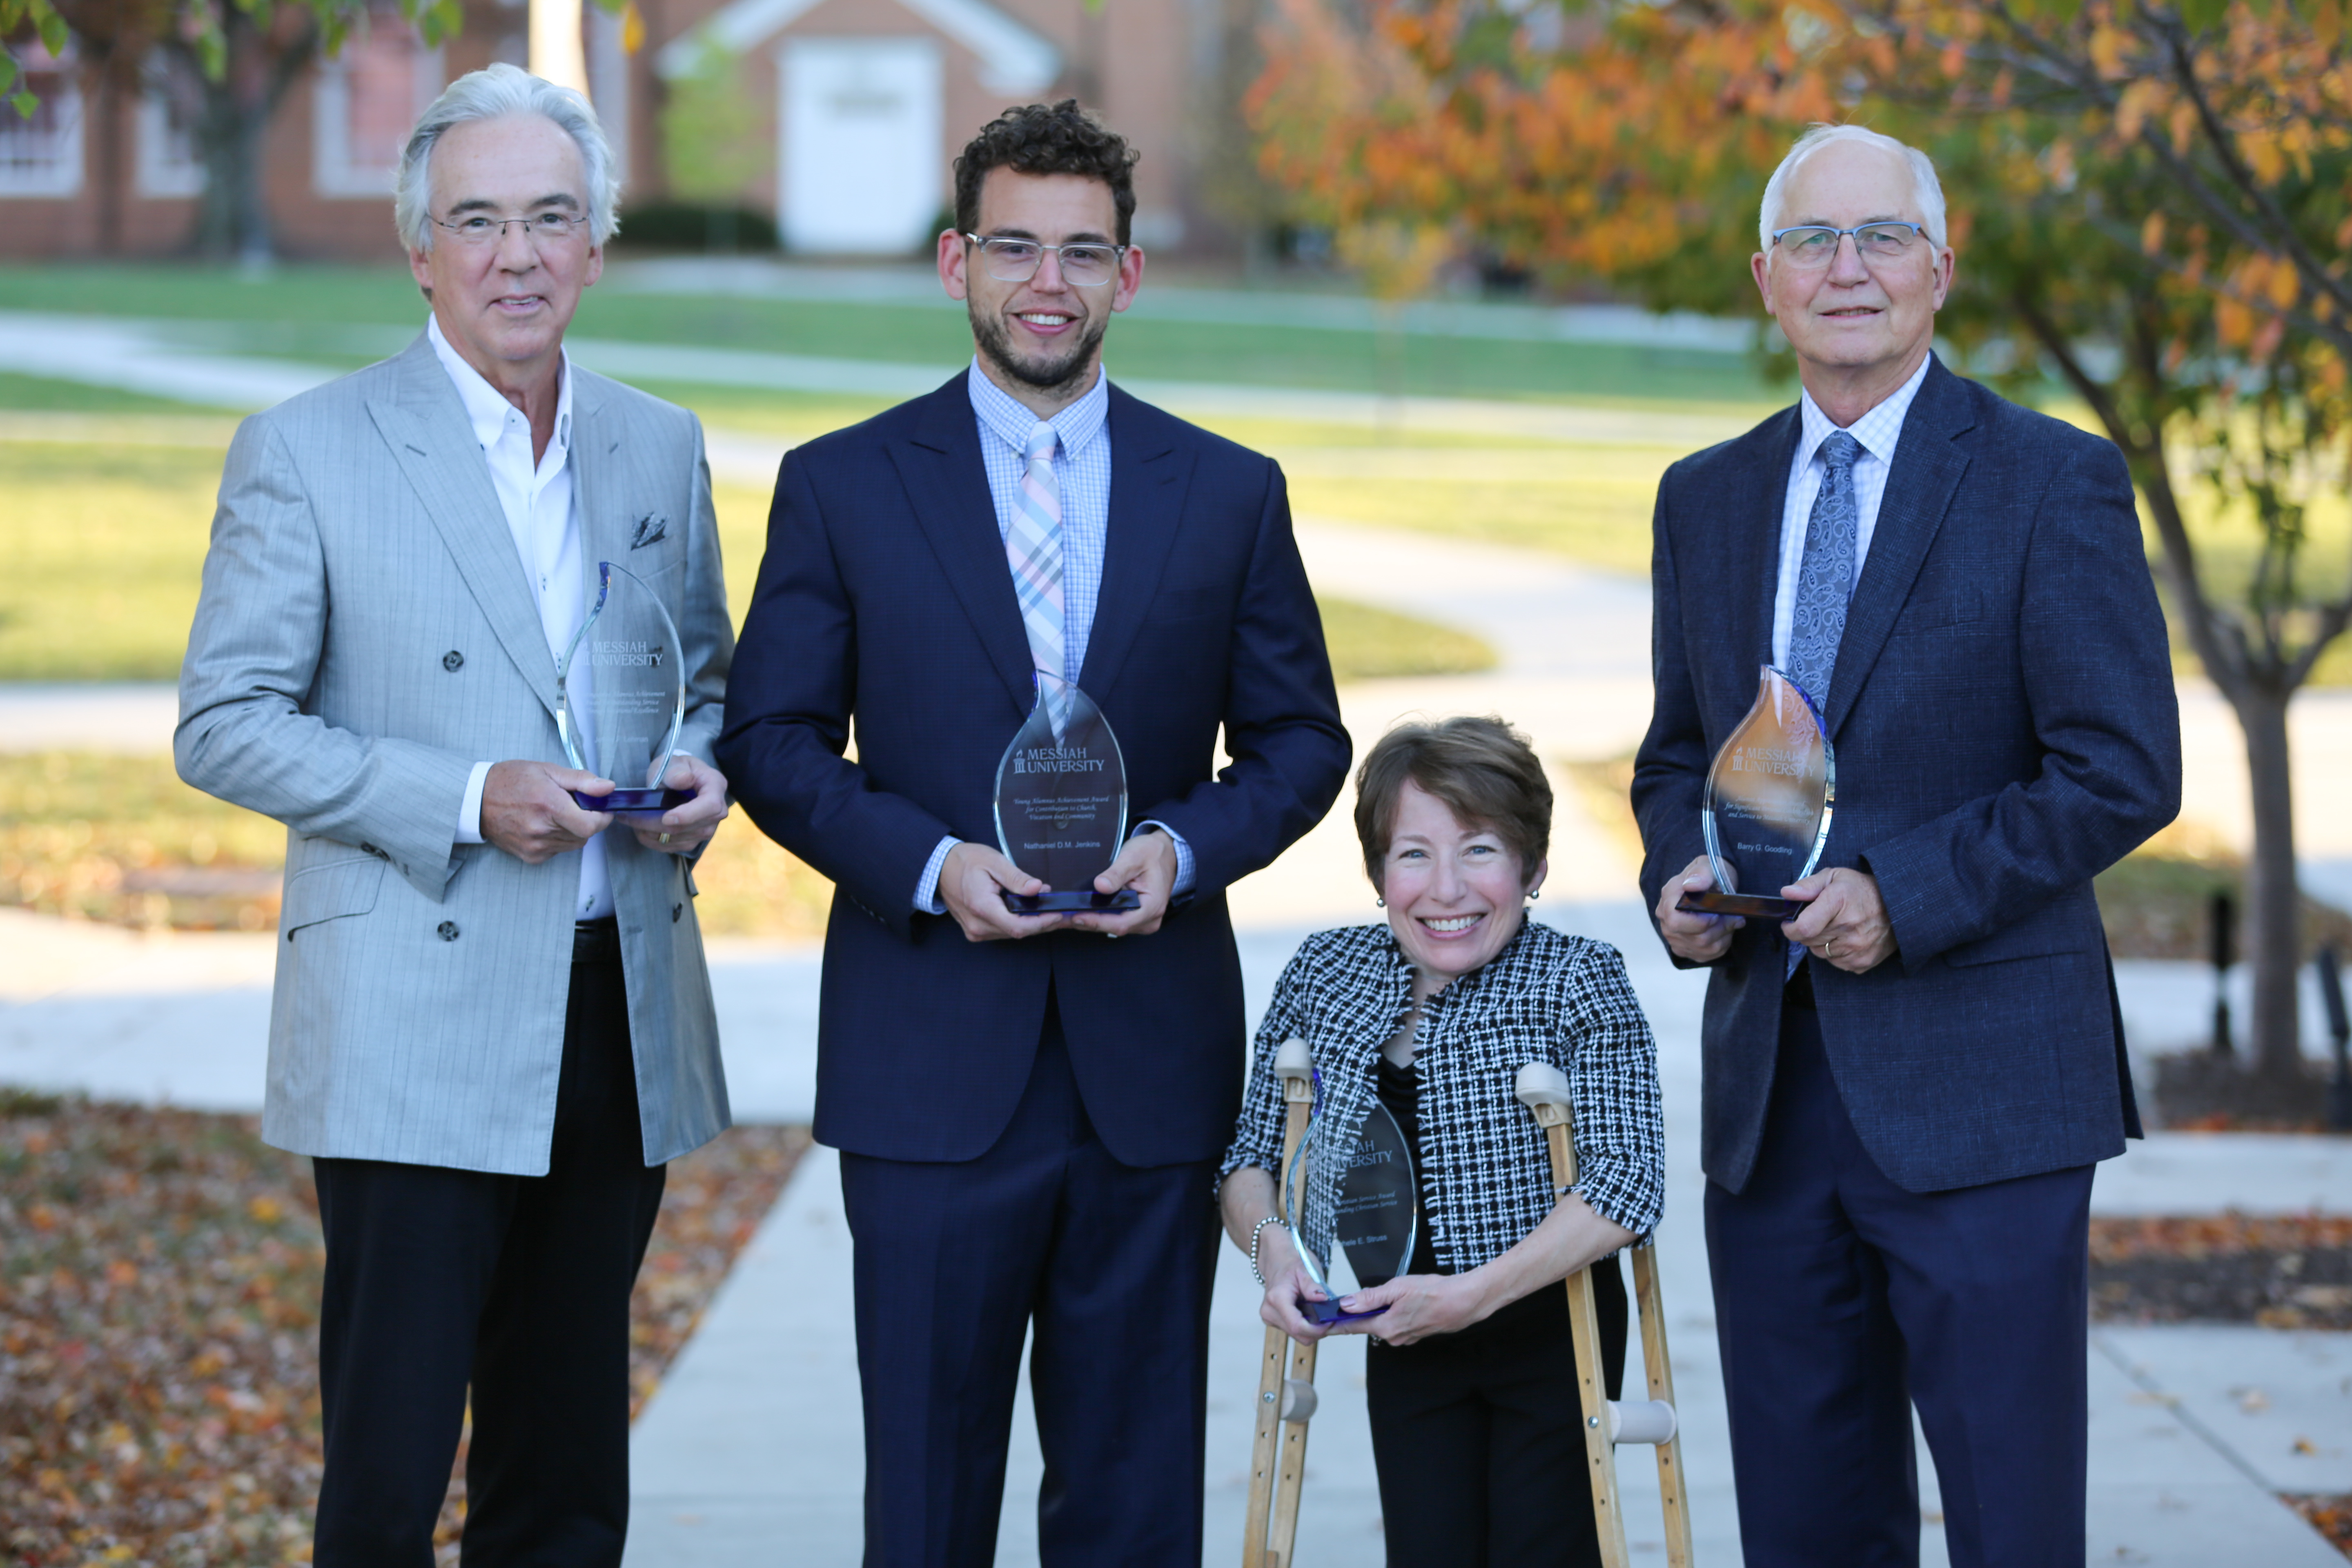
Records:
x=1082, y=478
x=1877, y=432
x=537, y=498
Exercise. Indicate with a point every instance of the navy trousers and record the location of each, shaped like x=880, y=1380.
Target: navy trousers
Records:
x=1111, y=1267
x=518, y=1287
x=1842, y=1301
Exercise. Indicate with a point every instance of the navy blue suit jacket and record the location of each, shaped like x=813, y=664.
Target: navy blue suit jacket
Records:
x=885, y=596
x=2005, y=728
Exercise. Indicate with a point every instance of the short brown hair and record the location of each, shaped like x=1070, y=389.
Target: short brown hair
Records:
x=1037, y=139
x=1482, y=771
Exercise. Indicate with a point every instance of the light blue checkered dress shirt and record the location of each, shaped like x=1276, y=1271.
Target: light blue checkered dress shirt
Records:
x=1082, y=475
x=1877, y=431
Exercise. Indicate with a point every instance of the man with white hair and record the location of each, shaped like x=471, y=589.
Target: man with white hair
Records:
x=1907, y=1086
x=492, y=1023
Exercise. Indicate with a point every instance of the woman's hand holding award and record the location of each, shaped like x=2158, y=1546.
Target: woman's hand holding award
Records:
x=1765, y=813
x=620, y=697
x=1375, y=1215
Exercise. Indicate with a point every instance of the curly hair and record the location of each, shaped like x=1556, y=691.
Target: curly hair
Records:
x=1037, y=139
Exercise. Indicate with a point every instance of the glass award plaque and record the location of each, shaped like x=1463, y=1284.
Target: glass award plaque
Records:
x=620, y=697
x=1061, y=804
x=1765, y=813
x=1375, y=1214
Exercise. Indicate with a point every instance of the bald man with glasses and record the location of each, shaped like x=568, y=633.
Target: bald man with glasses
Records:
x=1030, y=1108
x=1908, y=1085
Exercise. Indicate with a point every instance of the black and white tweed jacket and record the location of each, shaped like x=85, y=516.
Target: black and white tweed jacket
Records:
x=1486, y=1174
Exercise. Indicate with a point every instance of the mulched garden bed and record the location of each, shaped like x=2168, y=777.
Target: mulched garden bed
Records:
x=2285, y=1273
x=159, y=1285
x=2199, y=1091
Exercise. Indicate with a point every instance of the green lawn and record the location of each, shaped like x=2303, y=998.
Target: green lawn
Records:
x=42, y=392
x=107, y=541
x=104, y=545
x=1592, y=503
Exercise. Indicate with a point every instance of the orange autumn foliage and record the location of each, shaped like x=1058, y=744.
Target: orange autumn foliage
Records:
x=1626, y=141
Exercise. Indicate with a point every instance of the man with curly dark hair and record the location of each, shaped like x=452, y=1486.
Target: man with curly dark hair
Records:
x=1030, y=1108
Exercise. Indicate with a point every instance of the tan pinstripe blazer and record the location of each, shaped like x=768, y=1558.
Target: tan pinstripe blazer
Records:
x=365, y=635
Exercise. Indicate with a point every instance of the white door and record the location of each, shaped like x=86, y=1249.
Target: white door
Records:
x=860, y=164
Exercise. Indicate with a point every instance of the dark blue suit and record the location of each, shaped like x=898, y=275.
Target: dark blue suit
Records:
x=1030, y=1127
x=1906, y=1155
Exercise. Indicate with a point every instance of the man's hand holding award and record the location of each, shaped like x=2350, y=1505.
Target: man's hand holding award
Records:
x=1061, y=826
x=1765, y=813
x=1766, y=817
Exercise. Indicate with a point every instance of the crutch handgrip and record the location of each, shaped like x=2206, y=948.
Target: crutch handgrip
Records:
x=1294, y=1061
x=1541, y=1086
x=1298, y=1399
x=1650, y=1421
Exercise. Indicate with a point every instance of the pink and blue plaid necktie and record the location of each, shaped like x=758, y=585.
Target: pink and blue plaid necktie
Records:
x=1034, y=546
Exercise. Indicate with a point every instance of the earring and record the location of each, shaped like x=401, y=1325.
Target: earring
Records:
x=1534, y=893
x=1379, y=902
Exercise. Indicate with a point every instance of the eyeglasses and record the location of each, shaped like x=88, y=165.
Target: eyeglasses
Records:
x=1812, y=245
x=541, y=228
x=1017, y=261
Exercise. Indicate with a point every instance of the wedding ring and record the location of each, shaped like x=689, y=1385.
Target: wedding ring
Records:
x=664, y=837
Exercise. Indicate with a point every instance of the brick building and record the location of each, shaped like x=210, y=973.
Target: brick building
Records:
x=860, y=105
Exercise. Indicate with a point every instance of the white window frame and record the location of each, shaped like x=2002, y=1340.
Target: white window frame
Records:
x=63, y=175
x=332, y=173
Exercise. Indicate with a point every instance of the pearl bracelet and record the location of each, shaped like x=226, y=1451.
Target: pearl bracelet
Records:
x=1256, y=1230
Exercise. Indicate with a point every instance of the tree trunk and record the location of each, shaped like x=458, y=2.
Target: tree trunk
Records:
x=253, y=244
x=229, y=187
x=110, y=101
x=233, y=219
x=2273, y=913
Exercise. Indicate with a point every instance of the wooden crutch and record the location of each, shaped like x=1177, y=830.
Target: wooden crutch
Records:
x=1543, y=1088
x=1278, y=1457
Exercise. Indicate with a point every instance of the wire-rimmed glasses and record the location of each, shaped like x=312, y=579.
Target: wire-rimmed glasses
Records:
x=1812, y=245
x=1017, y=261
x=541, y=228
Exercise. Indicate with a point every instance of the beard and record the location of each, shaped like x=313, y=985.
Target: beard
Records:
x=1049, y=374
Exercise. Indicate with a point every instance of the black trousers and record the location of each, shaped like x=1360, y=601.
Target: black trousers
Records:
x=1842, y=1301
x=518, y=1286
x=1110, y=1264
x=1479, y=1436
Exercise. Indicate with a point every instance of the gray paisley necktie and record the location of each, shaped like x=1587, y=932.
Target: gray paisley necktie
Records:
x=1825, y=583
x=1826, y=578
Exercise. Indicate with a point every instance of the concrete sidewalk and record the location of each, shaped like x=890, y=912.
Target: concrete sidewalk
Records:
x=199, y=362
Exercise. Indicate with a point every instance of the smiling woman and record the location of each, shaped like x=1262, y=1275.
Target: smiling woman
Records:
x=1426, y=1020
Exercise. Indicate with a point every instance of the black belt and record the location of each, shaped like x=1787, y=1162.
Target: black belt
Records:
x=1799, y=992
x=596, y=941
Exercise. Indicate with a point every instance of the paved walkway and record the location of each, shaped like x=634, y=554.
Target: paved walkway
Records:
x=193, y=362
